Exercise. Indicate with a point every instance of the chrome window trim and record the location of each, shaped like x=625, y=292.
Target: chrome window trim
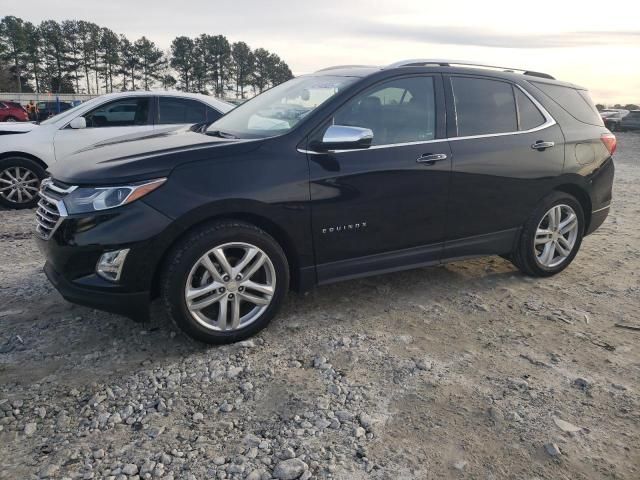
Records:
x=376, y=147
x=549, y=122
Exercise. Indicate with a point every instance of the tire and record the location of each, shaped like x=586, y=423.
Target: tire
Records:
x=11, y=119
x=24, y=196
x=185, y=271
x=529, y=257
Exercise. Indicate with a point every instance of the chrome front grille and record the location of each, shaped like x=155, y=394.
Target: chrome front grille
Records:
x=51, y=210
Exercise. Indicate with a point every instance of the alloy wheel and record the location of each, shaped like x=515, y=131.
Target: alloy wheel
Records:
x=230, y=286
x=18, y=184
x=556, y=236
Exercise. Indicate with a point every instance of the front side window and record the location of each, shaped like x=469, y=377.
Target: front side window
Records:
x=181, y=110
x=213, y=114
x=484, y=106
x=278, y=110
x=399, y=111
x=126, y=112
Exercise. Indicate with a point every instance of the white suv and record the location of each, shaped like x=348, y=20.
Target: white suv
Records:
x=28, y=149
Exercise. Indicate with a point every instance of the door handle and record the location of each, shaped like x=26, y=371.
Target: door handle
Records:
x=541, y=145
x=431, y=158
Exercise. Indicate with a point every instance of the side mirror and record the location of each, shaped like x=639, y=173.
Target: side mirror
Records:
x=340, y=137
x=78, y=123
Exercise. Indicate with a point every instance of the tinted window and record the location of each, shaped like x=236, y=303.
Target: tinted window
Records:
x=181, y=110
x=397, y=112
x=212, y=114
x=529, y=115
x=125, y=112
x=576, y=102
x=484, y=106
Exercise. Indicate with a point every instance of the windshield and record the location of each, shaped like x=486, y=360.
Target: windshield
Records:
x=69, y=113
x=278, y=110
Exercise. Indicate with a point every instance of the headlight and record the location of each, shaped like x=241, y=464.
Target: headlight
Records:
x=91, y=199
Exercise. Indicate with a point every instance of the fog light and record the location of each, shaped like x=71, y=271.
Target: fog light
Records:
x=110, y=264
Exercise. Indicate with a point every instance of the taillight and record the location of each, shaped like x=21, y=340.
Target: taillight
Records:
x=610, y=142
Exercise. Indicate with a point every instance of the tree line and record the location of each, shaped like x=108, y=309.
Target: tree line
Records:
x=75, y=56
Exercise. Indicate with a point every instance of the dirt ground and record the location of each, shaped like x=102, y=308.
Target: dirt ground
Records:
x=470, y=370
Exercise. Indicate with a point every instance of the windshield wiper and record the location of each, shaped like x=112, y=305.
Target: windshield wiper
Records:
x=221, y=134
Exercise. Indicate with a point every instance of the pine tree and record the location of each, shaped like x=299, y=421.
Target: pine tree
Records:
x=182, y=59
x=150, y=61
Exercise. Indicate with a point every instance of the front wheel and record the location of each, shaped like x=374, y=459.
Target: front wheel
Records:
x=19, y=182
x=225, y=282
x=551, y=237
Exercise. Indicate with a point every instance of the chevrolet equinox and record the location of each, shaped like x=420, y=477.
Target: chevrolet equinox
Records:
x=347, y=172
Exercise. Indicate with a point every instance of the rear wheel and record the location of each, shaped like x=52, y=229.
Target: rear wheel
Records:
x=11, y=119
x=225, y=282
x=19, y=182
x=551, y=237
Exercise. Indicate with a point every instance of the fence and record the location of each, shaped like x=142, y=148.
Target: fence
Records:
x=24, y=98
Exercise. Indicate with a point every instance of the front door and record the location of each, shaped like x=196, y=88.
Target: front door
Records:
x=384, y=206
x=125, y=116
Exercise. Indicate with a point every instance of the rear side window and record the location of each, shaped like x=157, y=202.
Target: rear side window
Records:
x=484, y=106
x=575, y=102
x=528, y=114
x=181, y=110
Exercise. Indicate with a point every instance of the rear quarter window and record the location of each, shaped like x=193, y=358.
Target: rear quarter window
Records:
x=576, y=103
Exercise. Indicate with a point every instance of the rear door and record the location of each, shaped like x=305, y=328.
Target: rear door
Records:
x=384, y=206
x=506, y=151
x=128, y=115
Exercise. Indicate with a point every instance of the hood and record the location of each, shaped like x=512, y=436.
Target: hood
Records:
x=7, y=128
x=142, y=156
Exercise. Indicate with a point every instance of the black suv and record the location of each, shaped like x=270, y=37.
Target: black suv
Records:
x=350, y=171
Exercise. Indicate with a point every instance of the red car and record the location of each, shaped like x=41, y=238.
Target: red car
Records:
x=12, y=112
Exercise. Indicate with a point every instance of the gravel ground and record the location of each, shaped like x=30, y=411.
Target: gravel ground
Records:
x=470, y=370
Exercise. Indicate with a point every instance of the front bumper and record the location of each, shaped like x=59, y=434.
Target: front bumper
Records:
x=133, y=305
x=73, y=251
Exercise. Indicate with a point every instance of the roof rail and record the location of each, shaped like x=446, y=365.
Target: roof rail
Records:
x=450, y=63
x=336, y=67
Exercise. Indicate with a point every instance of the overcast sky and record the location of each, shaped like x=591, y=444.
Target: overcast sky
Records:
x=592, y=43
